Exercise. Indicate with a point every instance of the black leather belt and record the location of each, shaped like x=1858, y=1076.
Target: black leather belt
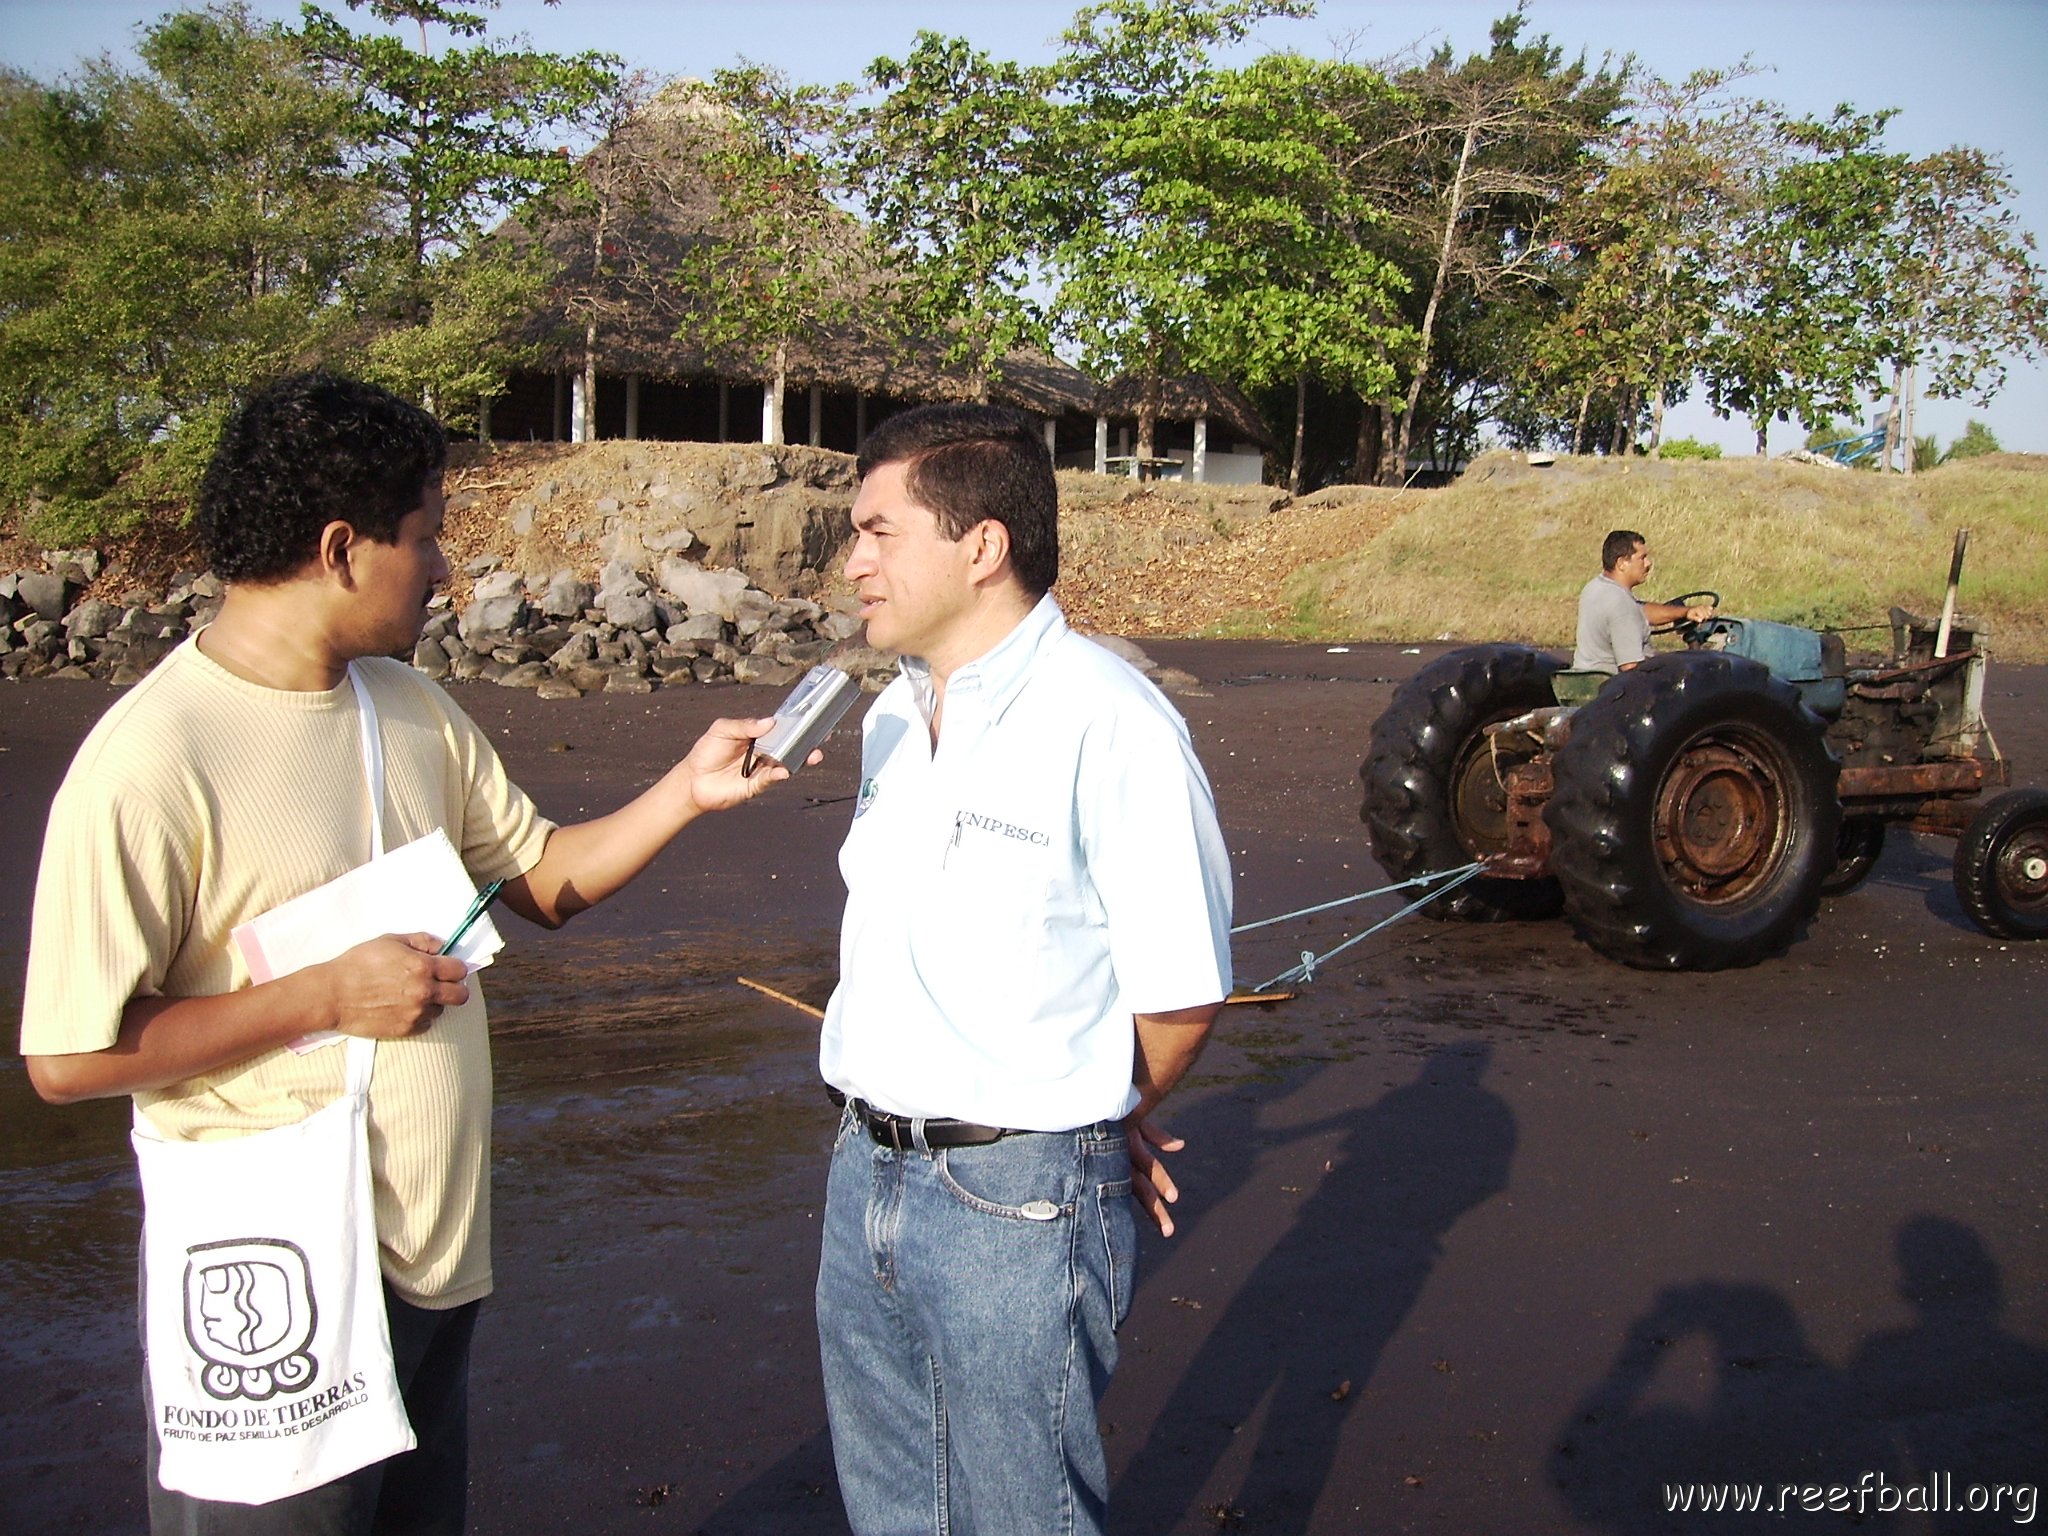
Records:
x=902, y=1131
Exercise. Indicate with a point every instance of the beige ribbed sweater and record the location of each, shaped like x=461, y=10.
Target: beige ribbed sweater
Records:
x=201, y=800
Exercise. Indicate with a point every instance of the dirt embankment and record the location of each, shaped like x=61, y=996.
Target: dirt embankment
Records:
x=1167, y=559
x=1499, y=555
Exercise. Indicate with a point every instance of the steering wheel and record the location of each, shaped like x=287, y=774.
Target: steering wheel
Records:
x=1685, y=629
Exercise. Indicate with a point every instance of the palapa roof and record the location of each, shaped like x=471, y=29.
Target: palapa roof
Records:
x=657, y=206
x=1185, y=397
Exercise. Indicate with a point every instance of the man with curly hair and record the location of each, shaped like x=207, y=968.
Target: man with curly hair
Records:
x=230, y=781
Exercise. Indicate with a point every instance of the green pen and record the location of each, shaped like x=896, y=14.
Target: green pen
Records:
x=476, y=910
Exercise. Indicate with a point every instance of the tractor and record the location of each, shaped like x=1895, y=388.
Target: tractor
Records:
x=1692, y=812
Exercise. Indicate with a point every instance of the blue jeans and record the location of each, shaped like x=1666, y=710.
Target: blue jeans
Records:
x=968, y=1301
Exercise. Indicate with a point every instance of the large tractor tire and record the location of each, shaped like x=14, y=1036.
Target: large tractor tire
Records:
x=2002, y=866
x=1695, y=816
x=1433, y=797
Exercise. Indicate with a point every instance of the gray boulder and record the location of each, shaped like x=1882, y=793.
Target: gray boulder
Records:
x=580, y=650
x=48, y=596
x=839, y=626
x=567, y=595
x=698, y=629
x=495, y=607
x=91, y=620
x=702, y=591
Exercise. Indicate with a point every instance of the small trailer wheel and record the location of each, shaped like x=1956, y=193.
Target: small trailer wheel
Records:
x=1858, y=847
x=2002, y=866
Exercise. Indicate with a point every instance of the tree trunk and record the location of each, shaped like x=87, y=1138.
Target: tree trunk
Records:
x=1399, y=468
x=1365, y=458
x=1907, y=423
x=771, y=401
x=1300, y=432
x=1579, y=426
x=1763, y=440
x=1657, y=424
x=1892, y=417
x=1148, y=415
x=588, y=425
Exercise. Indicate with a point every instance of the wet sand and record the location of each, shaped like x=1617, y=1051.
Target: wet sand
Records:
x=1482, y=1233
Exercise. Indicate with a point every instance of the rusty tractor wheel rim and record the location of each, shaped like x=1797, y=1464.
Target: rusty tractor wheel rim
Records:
x=1720, y=818
x=2022, y=868
x=1479, y=797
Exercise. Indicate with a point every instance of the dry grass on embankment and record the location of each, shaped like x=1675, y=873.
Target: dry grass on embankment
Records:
x=1502, y=554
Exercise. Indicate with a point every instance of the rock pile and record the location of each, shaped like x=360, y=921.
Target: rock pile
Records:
x=630, y=632
x=565, y=636
x=49, y=628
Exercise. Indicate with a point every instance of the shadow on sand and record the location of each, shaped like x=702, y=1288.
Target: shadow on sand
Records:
x=1716, y=1389
x=1321, y=1304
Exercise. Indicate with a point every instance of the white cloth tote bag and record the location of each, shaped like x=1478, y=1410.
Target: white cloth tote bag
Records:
x=269, y=1353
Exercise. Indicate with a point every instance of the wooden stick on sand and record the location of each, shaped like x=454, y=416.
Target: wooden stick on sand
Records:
x=781, y=997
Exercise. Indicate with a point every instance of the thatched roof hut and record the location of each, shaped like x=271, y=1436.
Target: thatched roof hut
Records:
x=619, y=319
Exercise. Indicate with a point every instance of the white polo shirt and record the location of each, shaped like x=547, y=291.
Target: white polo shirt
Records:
x=1014, y=897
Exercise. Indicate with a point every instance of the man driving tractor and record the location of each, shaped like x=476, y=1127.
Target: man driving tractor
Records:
x=1614, y=627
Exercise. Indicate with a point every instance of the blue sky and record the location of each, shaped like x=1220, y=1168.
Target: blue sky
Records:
x=1959, y=72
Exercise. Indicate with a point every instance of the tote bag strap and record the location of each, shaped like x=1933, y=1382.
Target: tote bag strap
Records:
x=373, y=759
x=362, y=1052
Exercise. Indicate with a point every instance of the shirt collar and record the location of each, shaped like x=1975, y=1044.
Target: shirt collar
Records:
x=996, y=676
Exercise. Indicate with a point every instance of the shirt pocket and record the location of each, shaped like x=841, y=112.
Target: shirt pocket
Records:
x=993, y=922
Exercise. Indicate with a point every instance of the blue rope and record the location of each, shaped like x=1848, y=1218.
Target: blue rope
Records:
x=1345, y=901
x=1305, y=970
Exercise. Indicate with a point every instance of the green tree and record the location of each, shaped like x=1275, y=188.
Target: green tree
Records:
x=1788, y=342
x=780, y=263
x=1473, y=163
x=1976, y=441
x=949, y=169
x=166, y=237
x=453, y=139
x=1149, y=238
x=1297, y=297
x=1962, y=289
x=1655, y=226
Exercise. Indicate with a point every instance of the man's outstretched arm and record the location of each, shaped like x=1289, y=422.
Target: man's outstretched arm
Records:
x=585, y=863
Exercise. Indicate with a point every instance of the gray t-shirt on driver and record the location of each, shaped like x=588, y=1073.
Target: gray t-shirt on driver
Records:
x=1614, y=632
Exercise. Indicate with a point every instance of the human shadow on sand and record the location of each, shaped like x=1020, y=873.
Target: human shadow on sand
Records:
x=1961, y=1397
x=1322, y=1303
x=1716, y=1389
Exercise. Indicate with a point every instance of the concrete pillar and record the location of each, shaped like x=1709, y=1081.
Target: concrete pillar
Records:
x=632, y=405
x=771, y=412
x=577, y=414
x=1199, y=470
x=724, y=411
x=1102, y=445
x=1052, y=438
x=817, y=415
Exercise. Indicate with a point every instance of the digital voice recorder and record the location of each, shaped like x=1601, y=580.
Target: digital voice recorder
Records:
x=805, y=718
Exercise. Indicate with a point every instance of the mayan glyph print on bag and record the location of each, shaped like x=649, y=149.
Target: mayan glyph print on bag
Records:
x=267, y=1346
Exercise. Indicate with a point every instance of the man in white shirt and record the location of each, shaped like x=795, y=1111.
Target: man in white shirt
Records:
x=1614, y=628
x=1036, y=944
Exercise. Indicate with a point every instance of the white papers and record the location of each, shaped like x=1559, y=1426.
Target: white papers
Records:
x=420, y=888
